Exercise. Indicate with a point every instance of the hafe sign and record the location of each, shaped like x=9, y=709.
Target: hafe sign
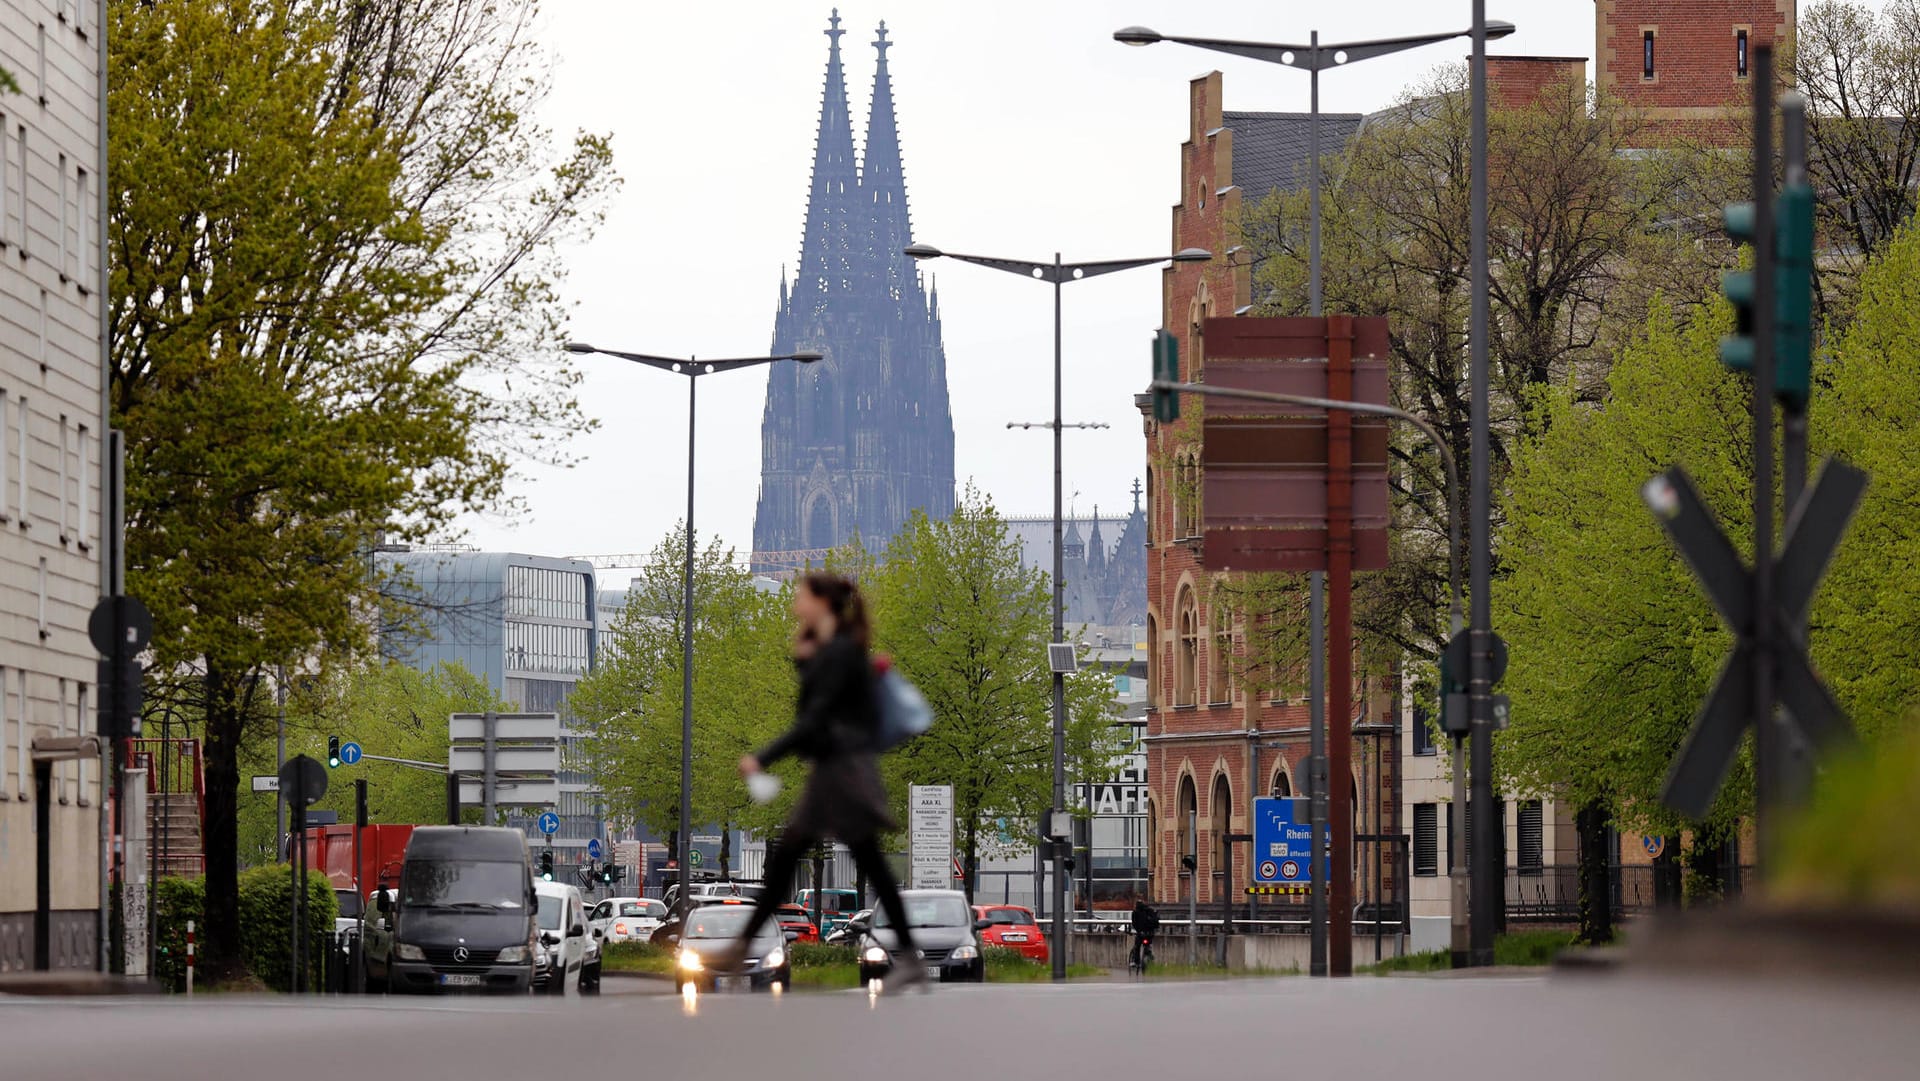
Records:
x=1265, y=492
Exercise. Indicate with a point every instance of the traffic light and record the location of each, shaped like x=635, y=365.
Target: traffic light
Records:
x=1166, y=369
x=1792, y=266
x=546, y=866
x=333, y=752
x=1736, y=350
x=1793, y=296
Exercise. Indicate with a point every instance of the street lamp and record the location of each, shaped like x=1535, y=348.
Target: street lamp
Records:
x=693, y=369
x=1314, y=58
x=1058, y=274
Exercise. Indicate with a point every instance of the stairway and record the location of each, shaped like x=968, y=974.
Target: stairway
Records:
x=173, y=822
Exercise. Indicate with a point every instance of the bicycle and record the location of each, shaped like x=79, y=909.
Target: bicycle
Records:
x=1141, y=955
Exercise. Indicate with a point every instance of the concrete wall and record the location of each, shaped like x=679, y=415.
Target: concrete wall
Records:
x=1268, y=953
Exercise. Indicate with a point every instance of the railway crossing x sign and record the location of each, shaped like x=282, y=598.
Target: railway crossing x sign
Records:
x=1812, y=535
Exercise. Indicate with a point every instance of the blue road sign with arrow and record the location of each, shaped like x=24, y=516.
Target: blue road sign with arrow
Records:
x=593, y=846
x=1282, y=842
x=549, y=823
x=349, y=753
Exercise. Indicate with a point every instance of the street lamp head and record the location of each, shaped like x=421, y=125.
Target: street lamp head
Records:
x=1497, y=28
x=924, y=251
x=580, y=347
x=1137, y=36
x=1192, y=255
x=805, y=356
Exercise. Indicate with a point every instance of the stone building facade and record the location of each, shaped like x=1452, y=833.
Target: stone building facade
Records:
x=853, y=444
x=52, y=420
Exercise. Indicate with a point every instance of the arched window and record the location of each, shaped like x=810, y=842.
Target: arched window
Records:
x=1220, y=658
x=1282, y=786
x=820, y=524
x=1153, y=662
x=1189, y=827
x=1186, y=650
x=1220, y=818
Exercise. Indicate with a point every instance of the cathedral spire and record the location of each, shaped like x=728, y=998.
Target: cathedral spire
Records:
x=826, y=251
x=883, y=184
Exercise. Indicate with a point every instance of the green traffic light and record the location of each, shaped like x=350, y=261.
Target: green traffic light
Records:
x=1738, y=219
x=333, y=752
x=1166, y=369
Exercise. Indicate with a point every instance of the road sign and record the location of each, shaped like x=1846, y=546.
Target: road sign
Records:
x=930, y=833
x=472, y=758
x=1654, y=845
x=120, y=624
x=549, y=823
x=693, y=857
x=593, y=848
x=266, y=782
x=472, y=727
x=349, y=753
x=304, y=780
x=1813, y=533
x=513, y=792
x=1282, y=841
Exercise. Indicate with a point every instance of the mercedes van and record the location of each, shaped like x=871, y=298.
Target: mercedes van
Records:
x=462, y=918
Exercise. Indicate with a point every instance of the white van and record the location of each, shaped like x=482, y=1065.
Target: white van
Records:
x=567, y=954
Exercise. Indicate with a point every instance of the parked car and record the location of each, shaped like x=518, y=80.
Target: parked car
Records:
x=626, y=919
x=1014, y=927
x=562, y=956
x=849, y=932
x=836, y=907
x=711, y=933
x=944, y=930
x=701, y=891
x=463, y=917
x=799, y=922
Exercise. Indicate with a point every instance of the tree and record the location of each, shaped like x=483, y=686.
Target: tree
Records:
x=326, y=284
x=968, y=625
x=743, y=692
x=1860, y=73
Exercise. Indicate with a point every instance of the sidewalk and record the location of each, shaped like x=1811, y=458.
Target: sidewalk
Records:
x=65, y=982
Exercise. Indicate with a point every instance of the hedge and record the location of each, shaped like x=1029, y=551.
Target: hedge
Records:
x=266, y=913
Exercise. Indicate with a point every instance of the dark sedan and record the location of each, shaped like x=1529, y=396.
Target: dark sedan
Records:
x=944, y=931
x=704, y=960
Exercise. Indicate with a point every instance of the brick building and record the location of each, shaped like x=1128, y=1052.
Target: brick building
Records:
x=1211, y=745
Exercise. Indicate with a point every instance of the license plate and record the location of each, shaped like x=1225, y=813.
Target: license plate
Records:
x=1013, y=938
x=733, y=983
x=459, y=979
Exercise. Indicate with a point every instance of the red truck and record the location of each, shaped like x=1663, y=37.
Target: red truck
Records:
x=330, y=852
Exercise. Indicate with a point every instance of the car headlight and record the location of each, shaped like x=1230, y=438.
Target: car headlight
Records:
x=690, y=961
x=964, y=953
x=874, y=956
x=777, y=958
x=407, y=951
x=513, y=954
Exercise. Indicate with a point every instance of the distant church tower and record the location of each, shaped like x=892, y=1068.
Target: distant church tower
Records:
x=853, y=444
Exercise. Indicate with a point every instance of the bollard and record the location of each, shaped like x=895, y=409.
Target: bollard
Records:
x=189, y=957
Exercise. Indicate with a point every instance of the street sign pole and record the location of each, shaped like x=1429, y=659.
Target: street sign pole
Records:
x=1767, y=742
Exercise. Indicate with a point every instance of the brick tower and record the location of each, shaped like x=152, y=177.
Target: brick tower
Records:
x=853, y=444
x=1683, y=64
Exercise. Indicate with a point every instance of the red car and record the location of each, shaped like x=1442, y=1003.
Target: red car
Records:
x=796, y=919
x=1014, y=928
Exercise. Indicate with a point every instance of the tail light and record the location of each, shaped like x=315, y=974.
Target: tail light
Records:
x=619, y=928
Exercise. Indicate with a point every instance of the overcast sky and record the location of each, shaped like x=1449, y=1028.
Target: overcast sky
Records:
x=1025, y=129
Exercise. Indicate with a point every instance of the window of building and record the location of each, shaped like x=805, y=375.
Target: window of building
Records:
x=40, y=62
x=1153, y=661
x=1646, y=54
x=1426, y=840
x=66, y=250
x=1740, y=52
x=20, y=477
x=83, y=253
x=1187, y=650
x=1422, y=731
x=65, y=535
x=1282, y=786
x=20, y=169
x=45, y=631
x=1530, y=822
x=1220, y=659
x=84, y=527
x=6, y=186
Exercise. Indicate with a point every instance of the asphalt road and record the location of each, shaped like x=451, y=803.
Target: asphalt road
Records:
x=1602, y=1027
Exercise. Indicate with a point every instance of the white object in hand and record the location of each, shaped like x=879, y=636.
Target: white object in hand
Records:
x=762, y=787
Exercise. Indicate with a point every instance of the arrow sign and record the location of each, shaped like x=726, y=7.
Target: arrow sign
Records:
x=349, y=753
x=1813, y=533
x=593, y=848
x=549, y=823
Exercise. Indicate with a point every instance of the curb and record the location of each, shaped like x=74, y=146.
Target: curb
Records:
x=75, y=984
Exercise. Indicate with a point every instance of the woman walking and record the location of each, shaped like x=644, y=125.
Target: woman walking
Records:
x=835, y=728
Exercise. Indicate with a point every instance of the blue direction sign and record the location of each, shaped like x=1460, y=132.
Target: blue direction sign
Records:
x=549, y=823
x=593, y=846
x=349, y=753
x=1282, y=842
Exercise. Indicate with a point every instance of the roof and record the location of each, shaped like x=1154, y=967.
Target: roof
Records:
x=1270, y=150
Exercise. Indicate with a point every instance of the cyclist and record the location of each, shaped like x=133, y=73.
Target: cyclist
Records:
x=1146, y=924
